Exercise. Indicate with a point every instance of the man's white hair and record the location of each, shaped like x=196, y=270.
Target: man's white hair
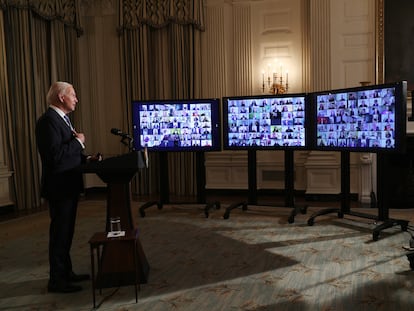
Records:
x=56, y=89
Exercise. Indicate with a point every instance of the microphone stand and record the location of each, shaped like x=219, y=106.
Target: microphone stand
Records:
x=127, y=141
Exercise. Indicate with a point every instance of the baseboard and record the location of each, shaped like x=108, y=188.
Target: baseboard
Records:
x=7, y=209
x=323, y=197
x=245, y=192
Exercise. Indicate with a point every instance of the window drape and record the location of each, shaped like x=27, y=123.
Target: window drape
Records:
x=161, y=48
x=40, y=47
x=160, y=51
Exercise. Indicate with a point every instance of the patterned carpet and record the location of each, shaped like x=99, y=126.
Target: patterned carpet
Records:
x=255, y=260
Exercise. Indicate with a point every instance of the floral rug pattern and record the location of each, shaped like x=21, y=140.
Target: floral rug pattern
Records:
x=255, y=260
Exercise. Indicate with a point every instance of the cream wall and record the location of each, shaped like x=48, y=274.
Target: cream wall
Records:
x=345, y=30
x=352, y=42
x=353, y=61
x=323, y=44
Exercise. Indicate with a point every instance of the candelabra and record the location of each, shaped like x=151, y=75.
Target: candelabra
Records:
x=275, y=84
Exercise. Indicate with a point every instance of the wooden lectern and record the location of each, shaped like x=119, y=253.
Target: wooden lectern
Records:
x=117, y=265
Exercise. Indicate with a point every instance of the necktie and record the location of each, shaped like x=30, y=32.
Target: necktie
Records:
x=68, y=121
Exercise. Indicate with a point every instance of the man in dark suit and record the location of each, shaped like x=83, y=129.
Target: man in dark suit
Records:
x=61, y=151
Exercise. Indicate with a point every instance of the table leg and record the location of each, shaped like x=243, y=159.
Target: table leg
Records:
x=93, y=276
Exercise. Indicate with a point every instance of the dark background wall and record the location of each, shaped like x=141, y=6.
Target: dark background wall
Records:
x=399, y=41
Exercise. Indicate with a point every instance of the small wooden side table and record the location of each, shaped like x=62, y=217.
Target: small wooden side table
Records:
x=116, y=266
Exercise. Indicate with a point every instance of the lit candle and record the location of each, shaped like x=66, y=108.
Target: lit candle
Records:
x=287, y=81
x=263, y=81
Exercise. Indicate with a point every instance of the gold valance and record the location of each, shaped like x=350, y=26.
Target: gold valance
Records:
x=159, y=13
x=65, y=10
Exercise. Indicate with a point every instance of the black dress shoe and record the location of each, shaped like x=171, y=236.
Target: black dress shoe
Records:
x=73, y=277
x=63, y=287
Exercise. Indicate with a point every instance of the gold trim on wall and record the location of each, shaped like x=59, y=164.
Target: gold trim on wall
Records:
x=379, y=41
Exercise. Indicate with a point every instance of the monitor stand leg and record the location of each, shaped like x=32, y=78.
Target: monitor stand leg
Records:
x=147, y=205
x=215, y=204
x=233, y=206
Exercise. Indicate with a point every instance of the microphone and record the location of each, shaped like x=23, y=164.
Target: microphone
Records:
x=118, y=132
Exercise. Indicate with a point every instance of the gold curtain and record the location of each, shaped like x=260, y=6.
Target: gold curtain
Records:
x=5, y=115
x=40, y=47
x=160, y=48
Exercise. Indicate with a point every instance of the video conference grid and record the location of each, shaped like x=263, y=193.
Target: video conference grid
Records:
x=175, y=125
x=357, y=119
x=266, y=122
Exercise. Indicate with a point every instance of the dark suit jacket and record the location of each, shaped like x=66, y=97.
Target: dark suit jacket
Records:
x=61, y=155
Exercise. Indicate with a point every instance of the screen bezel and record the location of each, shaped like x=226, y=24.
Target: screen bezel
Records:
x=226, y=125
x=399, y=121
x=215, y=125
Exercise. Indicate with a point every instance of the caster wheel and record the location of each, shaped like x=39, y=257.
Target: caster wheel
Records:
x=226, y=215
x=410, y=258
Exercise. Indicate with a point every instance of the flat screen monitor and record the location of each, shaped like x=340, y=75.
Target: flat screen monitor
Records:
x=363, y=119
x=265, y=122
x=177, y=125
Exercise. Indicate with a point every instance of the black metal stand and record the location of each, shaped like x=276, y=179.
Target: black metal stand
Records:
x=164, y=185
x=165, y=189
x=345, y=199
x=290, y=187
x=148, y=205
x=252, y=186
x=410, y=257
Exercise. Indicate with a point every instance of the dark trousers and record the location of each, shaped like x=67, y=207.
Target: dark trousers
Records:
x=62, y=226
